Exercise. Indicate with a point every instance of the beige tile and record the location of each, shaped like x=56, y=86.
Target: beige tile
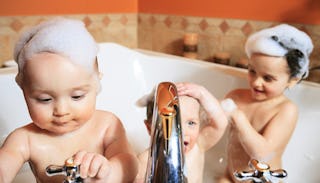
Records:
x=158, y=32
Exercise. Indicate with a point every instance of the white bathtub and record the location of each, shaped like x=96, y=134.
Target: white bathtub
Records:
x=129, y=74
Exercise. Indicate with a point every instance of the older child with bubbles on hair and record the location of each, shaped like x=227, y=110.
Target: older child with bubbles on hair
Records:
x=199, y=135
x=263, y=118
x=59, y=77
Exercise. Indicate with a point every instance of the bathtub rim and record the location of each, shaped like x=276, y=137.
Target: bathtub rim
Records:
x=240, y=72
x=230, y=70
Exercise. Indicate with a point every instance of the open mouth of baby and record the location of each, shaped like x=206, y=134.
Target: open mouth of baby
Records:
x=258, y=91
x=186, y=143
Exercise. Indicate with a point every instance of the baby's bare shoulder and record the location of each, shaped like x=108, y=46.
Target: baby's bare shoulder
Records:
x=109, y=123
x=106, y=114
x=22, y=132
x=288, y=106
x=17, y=141
x=106, y=118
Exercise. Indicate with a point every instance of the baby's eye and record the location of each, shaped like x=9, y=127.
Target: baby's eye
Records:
x=251, y=71
x=268, y=78
x=192, y=123
x=44, y=100
x=77, y=97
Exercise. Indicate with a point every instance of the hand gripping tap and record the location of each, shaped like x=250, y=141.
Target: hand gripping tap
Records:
x=260, y=173
x=70, y=170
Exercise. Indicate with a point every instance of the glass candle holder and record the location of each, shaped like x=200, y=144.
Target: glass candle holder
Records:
x=190, y=45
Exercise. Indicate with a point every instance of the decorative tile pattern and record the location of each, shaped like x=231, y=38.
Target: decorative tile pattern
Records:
x=152, y=20
x=163, y=33
x=106, y=21
x=203, y=25
x=16, y=25
x=87, y=21
x=168, y=22
x=120, y=28
x=124, y=20
x=184, y=23
x=247, y=29
x=224, y=26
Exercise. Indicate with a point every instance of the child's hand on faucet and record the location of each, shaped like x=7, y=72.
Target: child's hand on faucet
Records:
x=211, y=105
x=206, y=99
x=92, y=165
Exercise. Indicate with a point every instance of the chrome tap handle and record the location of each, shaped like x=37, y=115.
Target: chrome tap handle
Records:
x=53, y=170
x=243, y=176
x=260, y=173
x=70, y=170
x=279, y=174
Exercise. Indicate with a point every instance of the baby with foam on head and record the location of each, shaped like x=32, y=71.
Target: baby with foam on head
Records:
x=199, y=135
x=59, y=76
x=264, y=119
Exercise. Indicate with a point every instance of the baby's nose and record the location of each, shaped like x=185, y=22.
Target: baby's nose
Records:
x=258, y=81
x=61, y=108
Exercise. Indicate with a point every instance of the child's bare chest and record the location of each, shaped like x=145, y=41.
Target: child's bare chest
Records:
x=55, y=151
x=258, y=115
x=195, y=165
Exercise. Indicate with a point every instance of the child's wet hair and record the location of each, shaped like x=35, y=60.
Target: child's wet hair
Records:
x=283, y=41
x=66, y=37
x=293, y=57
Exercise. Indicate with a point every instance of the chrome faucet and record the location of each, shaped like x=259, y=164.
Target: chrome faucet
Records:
x=166, y=158
x=70, y=170
x=260, y=173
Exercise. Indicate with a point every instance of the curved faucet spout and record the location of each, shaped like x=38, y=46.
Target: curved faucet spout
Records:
x=166, y=158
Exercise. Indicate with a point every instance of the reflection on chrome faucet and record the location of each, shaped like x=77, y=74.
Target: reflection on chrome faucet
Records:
x=166, y=158
x=70, y=170
x=260, y=173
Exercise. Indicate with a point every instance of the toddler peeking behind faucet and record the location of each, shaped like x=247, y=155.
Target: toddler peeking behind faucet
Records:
x=264, y=120
x=199, y=135
x=58, y=74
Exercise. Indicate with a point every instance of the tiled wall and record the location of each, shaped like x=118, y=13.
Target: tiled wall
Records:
x=120, y=28
x=163, y=33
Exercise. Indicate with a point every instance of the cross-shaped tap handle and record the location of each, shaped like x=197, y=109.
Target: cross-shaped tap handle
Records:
x=260, y=173
x=69, y=169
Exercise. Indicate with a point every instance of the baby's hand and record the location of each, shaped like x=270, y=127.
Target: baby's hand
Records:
x=206, y=99
x=190, y=89
x=92, y=165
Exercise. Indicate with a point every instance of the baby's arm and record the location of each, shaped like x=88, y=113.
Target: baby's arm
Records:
x=272, y=139
x=119, y=163
x=217, y=120
x=13, y=154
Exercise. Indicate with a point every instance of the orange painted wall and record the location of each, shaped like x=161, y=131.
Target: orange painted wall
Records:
x=45, y=7
x=295, y=11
